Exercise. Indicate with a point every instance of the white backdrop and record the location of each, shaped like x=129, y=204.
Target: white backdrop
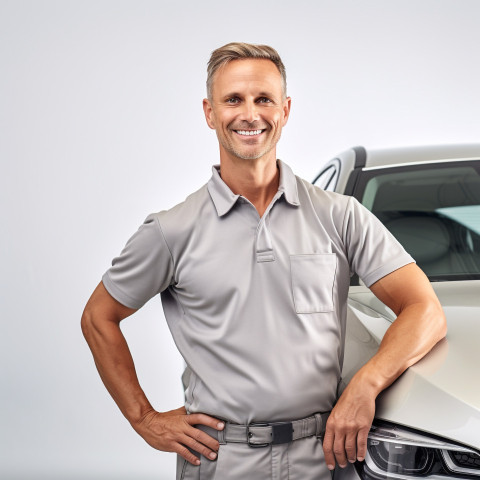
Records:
x=101, y=124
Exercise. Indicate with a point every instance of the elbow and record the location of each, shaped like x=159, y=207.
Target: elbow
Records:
x=93, y=326
x=91, y=322
x=438, y=321
x=86, y=323
x=443, y=327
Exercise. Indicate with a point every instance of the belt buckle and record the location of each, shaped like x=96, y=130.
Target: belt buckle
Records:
x=281, y=433
x=250, y=435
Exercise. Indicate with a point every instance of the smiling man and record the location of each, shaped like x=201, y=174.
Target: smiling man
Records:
x=253, y=270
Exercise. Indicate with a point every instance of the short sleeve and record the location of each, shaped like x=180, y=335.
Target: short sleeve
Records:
x=372, y=250
x=143, y=269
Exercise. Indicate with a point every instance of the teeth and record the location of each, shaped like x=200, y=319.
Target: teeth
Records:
x=249, y=132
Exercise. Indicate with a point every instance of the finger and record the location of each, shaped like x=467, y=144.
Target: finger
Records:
x=203, y=438
x=362, y=444
x=202, y=419
x=351, y=446
x=199, y=447
x=185, y=453
x=339, y=449
x=328, y=448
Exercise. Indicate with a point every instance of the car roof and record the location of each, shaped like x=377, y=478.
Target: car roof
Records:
x=389, y=157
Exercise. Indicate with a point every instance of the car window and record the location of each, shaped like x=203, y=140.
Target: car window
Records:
x=433, y=210
x=468, y=216
x=327, y=178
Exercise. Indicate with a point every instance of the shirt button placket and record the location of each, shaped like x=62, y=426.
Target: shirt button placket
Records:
x=263, y=242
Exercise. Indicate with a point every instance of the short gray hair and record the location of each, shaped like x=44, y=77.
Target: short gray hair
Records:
x=241, y=51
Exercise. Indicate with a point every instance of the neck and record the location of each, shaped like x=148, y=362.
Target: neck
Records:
x=256, y=180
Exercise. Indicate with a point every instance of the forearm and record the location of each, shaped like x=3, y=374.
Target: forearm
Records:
x=412, y=335
x=115, y=365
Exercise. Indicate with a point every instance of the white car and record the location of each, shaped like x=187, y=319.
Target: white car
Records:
x=427, y=424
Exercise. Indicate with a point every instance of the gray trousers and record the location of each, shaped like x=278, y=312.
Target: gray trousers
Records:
x=301, y=459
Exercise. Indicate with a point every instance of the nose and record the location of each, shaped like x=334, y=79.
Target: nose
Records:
x=250, y=111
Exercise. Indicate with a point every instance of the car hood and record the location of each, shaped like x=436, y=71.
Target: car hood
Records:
x=439, y=394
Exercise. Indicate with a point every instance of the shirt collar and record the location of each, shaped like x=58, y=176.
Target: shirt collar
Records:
x=288, y=184
x=224, y=199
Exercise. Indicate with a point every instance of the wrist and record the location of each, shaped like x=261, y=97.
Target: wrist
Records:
x=136, y=414
x=369, y=380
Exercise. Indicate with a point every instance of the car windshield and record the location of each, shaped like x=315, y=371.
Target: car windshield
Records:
x=434, y=211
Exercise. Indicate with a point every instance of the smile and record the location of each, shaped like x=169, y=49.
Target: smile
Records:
x=248, y=132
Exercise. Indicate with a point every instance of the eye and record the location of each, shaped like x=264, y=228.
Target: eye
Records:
x=264, y=100
x=232, y=100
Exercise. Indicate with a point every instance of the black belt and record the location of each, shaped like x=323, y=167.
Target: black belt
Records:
x=263, y=434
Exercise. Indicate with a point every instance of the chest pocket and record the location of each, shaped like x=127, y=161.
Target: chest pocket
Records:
x=313, y=279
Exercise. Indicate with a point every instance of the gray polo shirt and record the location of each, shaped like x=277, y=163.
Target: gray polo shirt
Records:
x=256, y=306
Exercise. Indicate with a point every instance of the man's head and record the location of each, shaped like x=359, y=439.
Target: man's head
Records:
x=238, y=51
x=246, y=105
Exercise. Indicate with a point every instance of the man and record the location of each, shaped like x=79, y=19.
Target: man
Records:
x=253, y=270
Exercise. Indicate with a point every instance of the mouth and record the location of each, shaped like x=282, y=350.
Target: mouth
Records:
x=249, y=133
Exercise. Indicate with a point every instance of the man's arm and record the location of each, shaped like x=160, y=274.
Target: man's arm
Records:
x=170, y=431
x=420, y=324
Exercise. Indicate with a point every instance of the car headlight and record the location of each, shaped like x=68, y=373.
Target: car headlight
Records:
x=396, y=453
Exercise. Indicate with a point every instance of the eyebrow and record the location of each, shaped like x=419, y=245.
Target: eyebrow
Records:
x=230, y=95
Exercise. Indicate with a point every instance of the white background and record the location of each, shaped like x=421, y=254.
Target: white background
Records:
x=101, y=124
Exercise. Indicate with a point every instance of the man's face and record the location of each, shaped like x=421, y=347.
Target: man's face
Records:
x=247, y=108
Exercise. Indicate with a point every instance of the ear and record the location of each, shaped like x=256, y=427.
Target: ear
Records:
x=208, y=111
x=287, y=103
